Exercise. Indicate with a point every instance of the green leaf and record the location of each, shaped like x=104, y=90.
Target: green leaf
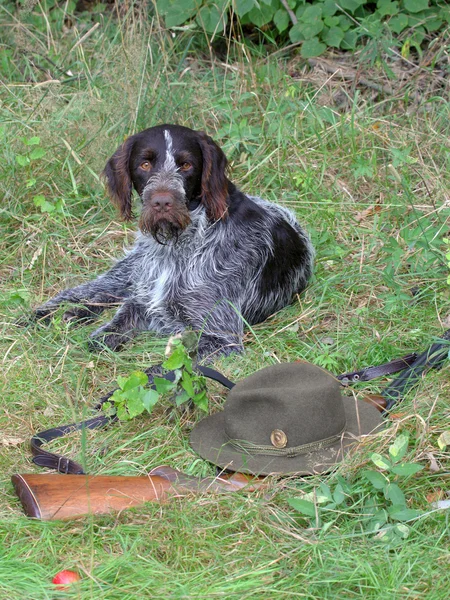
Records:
x=378, y=480
x=261, y=16
x=176, y=12
x=22, y=160
x=380, y=461
x=149, y=398
x=244, y=6
x=175, y=360
x=31, y=182
x=350, y=39
x=295, y=35
x=406, y=469
x=213, y=17
x=399, y=448
x=350, y=5
x=134, y=380
x=303, y=506
x=186, y=384
x=331, y=21
x=312, y=13
x=43, y=204
x=310, y=30
x=400, y=513
x=387, y=7
x=163, y=385
x=37, y=153
x=281, y=19
x=329, y=8
x=333, y=37
x=395, y=495
x=444, y=440
x=33, y=141
x=415, y=6
x=134, y=403
x=326, y=492
x=201, y=400
x=338, y=495
x=398, y=23
x=181, y=398
x=311, y=48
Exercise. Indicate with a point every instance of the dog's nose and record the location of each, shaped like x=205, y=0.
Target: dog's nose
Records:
x=162, y=202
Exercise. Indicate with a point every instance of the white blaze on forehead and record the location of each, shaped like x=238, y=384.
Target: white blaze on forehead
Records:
x=169, y=163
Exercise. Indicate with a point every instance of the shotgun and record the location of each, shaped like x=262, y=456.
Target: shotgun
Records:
x=61, y=497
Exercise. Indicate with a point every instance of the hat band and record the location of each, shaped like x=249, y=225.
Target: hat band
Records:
x=251, y=448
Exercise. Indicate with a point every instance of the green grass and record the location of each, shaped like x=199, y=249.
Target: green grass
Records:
x=371, y=185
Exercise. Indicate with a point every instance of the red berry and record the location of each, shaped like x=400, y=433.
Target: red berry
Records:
x=64, y=578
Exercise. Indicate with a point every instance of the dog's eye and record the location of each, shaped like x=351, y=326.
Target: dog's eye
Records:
x=146, y=165
x=185, y=166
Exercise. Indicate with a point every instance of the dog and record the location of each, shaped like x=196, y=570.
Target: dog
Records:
x=207, y=256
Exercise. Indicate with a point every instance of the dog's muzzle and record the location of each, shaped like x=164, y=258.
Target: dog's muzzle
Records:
x=164, y=212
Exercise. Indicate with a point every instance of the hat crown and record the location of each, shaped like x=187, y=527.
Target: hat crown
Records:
x=285, y=406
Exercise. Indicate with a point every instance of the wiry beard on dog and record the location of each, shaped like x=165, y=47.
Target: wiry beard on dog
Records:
x=167, y=228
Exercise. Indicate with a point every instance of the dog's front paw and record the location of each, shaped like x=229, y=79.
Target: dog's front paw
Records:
x=80, y=314
x=103, y=339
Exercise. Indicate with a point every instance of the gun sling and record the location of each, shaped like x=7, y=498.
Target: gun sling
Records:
x=412, y=365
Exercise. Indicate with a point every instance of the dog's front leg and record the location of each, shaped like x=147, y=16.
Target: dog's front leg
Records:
x=126, y=323
x=92, y=298
x=221, y=331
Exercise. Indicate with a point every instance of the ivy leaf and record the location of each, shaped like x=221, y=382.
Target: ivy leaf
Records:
x=399, y=448
x=415, y=6
x=303, y=506
x=312, y=47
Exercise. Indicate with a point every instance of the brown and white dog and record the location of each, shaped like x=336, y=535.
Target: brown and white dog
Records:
x=207, y=256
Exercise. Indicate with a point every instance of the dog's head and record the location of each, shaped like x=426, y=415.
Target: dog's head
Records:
x=173, y=169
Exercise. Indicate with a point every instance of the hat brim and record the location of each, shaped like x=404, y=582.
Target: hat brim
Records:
x=208, y=439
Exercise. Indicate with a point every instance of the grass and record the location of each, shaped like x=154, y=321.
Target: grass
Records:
x=370, y=182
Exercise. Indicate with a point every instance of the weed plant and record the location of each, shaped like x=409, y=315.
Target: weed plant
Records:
x=370, y=182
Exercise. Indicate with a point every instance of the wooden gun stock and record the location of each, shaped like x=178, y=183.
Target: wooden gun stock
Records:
x=54, y=497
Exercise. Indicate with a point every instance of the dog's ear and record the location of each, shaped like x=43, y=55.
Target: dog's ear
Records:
x=118, y=179
x=214, y=180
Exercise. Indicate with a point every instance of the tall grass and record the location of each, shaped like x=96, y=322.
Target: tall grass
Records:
x=369, y=181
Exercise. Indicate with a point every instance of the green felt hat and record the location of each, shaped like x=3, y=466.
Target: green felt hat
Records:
x=287, y=418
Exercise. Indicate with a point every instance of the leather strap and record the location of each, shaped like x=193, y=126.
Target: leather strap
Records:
x=379, y=371
x=51, y=460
